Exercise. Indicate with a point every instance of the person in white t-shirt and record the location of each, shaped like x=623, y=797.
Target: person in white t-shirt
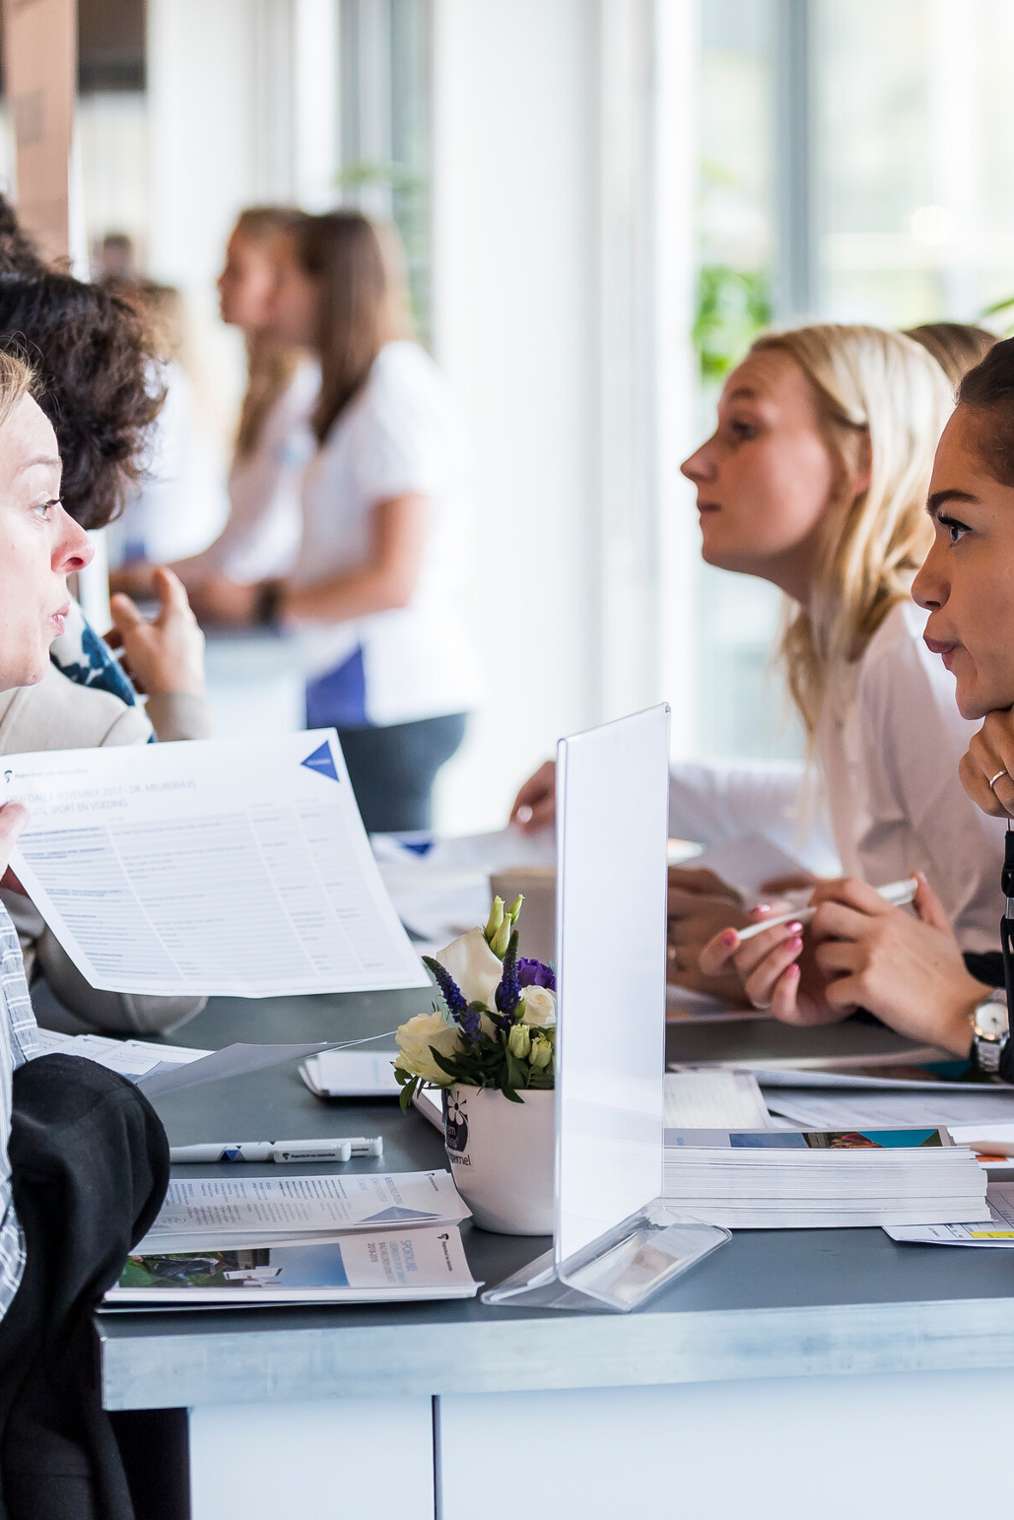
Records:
x=815, y=479
x=374, y=593
x=273, y=441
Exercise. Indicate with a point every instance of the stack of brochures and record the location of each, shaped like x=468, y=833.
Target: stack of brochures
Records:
x=360, y=1238
x=785, y=1179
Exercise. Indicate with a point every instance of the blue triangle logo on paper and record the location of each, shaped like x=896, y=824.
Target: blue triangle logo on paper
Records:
x=395, y=1212
x=322, y=761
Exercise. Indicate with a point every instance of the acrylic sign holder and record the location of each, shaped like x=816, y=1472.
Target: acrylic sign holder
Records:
x=616, y=1241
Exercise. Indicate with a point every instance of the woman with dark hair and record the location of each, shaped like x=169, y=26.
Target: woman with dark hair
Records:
x=83, y=1158
x=374, y=589
x=94, y=364
x=910, y=971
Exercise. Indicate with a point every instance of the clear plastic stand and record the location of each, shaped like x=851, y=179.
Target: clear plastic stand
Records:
x=620, y=1270
x=616, y=1241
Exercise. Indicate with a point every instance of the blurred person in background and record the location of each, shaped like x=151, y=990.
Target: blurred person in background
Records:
x=274, y=440
x=374, y=592
x=956, y=346
x=166, y=512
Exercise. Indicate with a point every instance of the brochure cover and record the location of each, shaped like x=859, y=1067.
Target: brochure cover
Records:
x=361, y=1268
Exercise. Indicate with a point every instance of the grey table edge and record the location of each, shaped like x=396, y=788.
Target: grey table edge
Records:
x=393, y=1359
x=769, y=1304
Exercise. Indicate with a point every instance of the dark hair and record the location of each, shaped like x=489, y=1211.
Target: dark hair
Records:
x=96, y=367
x=98, y=383
x=362, y=302
x=956, y=346
x=988, y=391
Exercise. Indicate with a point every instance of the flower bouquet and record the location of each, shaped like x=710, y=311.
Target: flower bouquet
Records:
x=490, y=1043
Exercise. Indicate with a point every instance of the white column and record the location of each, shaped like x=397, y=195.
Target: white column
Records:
x=220, y=137
x=515, y=317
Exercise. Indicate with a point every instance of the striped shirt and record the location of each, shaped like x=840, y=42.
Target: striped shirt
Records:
x=19, y=1041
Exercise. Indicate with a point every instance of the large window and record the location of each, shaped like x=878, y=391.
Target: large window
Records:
x=854, y=163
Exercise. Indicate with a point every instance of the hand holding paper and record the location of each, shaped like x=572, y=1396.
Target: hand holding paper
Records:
x=212, y=867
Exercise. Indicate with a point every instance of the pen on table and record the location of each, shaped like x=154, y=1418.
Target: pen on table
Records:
x=279, y=1150
x=897, y=893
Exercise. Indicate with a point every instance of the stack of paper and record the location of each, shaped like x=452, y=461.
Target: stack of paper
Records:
x=785, y=1179
x=998, y=1230
x=364, y=1237
x=351, y=1074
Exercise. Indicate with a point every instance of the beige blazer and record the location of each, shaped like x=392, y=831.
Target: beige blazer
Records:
x=60, y=714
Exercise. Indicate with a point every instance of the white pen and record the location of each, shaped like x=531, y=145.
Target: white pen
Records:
x=897, y=893
x=280, y=1151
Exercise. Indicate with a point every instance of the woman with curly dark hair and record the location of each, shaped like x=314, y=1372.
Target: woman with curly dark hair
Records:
x=97, y=381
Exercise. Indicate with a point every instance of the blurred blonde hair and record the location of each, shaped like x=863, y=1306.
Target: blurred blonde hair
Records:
x=882, y=402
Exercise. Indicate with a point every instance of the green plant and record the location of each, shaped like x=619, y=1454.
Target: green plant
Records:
x=733, y=306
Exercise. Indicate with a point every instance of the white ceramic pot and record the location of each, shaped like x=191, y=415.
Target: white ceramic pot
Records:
x=502, y=1156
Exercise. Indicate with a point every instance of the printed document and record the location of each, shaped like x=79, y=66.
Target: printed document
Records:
x=211, y=867
x=385, y=1267
x=263, y=1210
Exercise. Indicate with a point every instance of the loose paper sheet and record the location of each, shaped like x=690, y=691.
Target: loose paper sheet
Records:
x=208, y=868
x=872, y=1109
x=998, y=1230
x=264, y=1209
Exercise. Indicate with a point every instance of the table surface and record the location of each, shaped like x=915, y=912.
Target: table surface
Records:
x=769, y=1304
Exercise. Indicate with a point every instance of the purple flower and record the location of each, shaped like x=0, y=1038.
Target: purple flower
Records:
x=452, y=993
x=536, y=974
x=508, y=994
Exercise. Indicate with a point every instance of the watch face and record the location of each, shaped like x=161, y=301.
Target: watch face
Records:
x=991, y=1020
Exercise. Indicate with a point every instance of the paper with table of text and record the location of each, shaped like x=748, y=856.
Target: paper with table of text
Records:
x=213, y=867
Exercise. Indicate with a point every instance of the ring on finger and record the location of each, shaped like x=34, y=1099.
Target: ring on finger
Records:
x=994, y=779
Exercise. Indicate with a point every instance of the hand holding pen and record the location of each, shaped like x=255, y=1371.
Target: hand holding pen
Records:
x=858, y=951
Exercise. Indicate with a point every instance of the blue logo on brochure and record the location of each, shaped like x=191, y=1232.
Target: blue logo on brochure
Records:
x=322, y=761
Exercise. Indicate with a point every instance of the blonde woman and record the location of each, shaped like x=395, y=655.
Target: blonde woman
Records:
x=815, y=479
x=274, y=441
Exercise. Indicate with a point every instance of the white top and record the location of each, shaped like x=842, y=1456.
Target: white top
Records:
x=399, y=436
x=889, y=742
x=888, y=746
x=261, y=536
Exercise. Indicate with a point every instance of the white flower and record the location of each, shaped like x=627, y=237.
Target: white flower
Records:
x=474, y=967
x=539, y=1007
x=519, y=1041
x=414, y=1041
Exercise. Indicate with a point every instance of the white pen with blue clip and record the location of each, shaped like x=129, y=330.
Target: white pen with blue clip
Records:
x=280, y=1151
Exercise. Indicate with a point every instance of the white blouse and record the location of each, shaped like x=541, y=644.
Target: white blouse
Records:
x=261, y=536
x=398, y=436
x=889, y=742
x=887, y=747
